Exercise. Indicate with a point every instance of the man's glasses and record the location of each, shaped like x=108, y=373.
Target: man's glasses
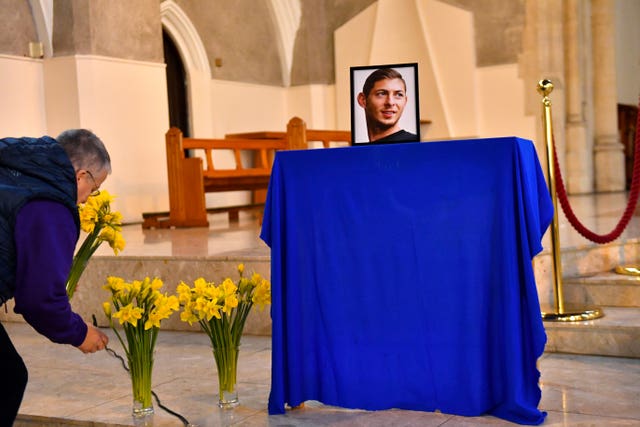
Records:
x=95, y=191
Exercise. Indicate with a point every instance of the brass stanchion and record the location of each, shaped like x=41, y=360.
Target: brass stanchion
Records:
x=628, y=270
x=562, y=312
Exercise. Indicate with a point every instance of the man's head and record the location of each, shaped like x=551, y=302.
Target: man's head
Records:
x=89, y=158
x=383, y=97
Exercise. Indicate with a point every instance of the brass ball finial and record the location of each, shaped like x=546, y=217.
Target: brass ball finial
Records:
x=545, y=87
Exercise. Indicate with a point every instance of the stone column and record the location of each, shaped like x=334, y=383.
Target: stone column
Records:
x=578, y=161
x=608, y=151
x=543, y=58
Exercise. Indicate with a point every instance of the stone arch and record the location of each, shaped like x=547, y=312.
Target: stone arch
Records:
x=286, y=16
x=185, y=36
x=42, y=11
x=196, y=62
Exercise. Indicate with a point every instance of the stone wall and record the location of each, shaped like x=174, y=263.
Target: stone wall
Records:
x=313, y=57
x=118, y=29
x=498, y=25
x=243, y=37
x=18, y=28
x=240, y=37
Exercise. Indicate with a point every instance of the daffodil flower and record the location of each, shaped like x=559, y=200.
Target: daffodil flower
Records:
x=101, y=225
x=140, y=308
x=222, y=310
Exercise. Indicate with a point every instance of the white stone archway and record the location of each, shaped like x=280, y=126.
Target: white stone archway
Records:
x=286, y=15
x=196, y=62
x=42, y=11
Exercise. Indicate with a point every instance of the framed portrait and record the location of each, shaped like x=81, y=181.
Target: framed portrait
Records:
x=384, y=104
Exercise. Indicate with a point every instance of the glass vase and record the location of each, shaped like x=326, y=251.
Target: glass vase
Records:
x=227, y=365
x=140, y=368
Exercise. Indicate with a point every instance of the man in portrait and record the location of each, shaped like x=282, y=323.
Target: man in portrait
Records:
x=383, y=98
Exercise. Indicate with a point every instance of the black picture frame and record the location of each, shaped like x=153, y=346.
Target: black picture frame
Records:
x=410, y=118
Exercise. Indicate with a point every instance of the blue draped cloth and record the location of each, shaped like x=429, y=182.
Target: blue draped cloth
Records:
x=402, y=278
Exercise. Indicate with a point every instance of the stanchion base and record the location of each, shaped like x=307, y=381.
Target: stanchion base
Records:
x=573, y=314
x=628, y=270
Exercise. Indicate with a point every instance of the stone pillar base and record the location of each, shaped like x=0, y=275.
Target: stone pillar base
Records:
x=609, y=164
x=579, y=175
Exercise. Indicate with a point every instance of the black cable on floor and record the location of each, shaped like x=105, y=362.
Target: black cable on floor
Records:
x=153, y=393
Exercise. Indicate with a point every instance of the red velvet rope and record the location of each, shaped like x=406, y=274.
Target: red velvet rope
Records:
x=628, y=212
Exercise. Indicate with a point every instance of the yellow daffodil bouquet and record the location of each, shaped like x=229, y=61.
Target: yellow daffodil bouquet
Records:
x=101, y=225
x=222, y=310
x=139, y=307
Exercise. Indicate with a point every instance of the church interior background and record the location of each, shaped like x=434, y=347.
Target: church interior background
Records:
x=130, y=70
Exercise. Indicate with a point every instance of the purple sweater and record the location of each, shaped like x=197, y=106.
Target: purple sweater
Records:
x=45, y=237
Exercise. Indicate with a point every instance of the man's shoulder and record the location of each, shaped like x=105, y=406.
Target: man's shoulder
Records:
x=47, y=210
x=45, y=204
x=400, y=136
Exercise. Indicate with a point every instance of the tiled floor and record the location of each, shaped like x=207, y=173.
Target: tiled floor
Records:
x=220, y=238
x=65, y=384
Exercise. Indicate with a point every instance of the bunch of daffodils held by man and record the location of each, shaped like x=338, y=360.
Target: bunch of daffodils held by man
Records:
x=139, y=307
x=101, y=225
x=222, y=310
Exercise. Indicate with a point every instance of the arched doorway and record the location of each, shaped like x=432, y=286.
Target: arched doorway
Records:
x=197, y=73
x=176, y=86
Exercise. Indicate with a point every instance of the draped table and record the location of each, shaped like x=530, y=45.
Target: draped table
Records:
x=401, y=277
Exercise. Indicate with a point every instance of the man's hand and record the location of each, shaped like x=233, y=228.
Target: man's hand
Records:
x=94, y=341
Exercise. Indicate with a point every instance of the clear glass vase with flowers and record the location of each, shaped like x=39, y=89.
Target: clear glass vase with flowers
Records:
x=222, y=310
x=140, y=307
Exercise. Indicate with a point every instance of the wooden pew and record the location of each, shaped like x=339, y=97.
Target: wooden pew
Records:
x=299, y=137
x=190, y=178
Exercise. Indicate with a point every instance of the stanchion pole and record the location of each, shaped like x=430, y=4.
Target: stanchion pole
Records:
x=561, y=312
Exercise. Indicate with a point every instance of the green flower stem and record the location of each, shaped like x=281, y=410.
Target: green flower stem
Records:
x=140, y=356
x=126, y=350
x=225, y=335
x=227, y=364
x=81, y=259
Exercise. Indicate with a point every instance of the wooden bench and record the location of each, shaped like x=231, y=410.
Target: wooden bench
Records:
x=190, y=178
x=299, y=137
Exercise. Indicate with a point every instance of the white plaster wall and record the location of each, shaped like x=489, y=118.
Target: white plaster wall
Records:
x=125, y=104
x=200, y=103
x=501, y=103
x=628, y=51
x=352, y=43
x=315, y=104
x=61, y=94
x=22, y=110
x=449, y=33
x=243, y=107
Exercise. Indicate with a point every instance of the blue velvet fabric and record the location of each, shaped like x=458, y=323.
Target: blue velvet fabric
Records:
x=402, y=278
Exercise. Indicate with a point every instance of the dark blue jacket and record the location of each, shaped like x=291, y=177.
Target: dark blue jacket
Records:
x=30, y=169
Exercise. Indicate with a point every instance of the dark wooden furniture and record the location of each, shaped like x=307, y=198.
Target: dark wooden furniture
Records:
x=193, y=175
x=627, y=120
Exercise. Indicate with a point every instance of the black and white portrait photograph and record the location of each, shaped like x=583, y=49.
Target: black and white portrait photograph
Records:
x=384, y=104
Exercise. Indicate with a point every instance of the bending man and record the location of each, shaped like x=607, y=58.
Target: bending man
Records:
x=41, y=183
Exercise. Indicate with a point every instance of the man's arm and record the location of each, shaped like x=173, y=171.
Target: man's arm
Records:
x=45, y=239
